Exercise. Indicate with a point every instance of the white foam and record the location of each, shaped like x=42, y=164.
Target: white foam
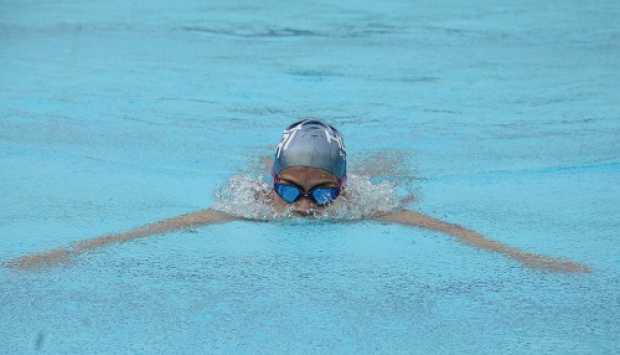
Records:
x=248, y=196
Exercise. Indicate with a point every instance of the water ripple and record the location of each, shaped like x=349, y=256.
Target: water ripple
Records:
x=268, y=32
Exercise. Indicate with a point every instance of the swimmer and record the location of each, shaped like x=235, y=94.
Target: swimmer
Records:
x=309, y=173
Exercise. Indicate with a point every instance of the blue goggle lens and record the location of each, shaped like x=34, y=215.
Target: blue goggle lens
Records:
x=324, y=195
x=289, y=193
x=320, y=195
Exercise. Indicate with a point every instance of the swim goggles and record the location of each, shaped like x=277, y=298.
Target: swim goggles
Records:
x=321, y=195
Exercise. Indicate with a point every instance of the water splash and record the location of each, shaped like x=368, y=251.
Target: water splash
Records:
x=377, y=183
x=250, y=197
x=363, y=198
x=247, y=196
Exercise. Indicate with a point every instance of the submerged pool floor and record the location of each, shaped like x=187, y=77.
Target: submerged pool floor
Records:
x=502, y=118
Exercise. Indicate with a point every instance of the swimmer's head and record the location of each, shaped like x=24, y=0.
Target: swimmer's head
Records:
x=312, y=143
x=310, y=166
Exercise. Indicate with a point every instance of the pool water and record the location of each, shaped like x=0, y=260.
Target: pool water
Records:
x=501, y=117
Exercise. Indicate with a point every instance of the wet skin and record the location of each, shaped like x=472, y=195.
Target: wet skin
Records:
x=306, y=178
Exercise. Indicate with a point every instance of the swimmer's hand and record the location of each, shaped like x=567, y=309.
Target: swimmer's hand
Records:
x=41, y=260
x=476, y=239
x=64, y=256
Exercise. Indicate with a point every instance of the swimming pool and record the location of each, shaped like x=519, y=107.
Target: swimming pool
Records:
x=504, y=118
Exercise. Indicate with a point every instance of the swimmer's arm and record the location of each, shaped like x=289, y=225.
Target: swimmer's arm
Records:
x=475, y=239
x=63, y=255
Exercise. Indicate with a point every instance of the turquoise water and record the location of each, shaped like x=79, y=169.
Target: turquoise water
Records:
x=502, y=117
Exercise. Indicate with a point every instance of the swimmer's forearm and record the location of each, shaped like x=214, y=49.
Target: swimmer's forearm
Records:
x=476, y=239
x=189, y=220
x=59, y=256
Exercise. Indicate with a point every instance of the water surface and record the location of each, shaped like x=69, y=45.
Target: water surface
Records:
x=502, y=117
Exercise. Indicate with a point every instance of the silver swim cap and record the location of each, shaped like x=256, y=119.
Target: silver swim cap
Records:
x=311, y=143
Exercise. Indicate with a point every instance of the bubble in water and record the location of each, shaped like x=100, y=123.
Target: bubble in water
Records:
x=249, y=197
x=363, y=198
x=246, y=196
